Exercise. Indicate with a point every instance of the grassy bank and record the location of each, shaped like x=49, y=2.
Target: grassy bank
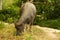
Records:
x=53, y=23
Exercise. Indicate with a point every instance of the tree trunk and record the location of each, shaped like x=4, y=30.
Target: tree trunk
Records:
x=0, y=4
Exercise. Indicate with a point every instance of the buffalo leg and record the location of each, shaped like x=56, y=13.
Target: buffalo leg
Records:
x=31, y=23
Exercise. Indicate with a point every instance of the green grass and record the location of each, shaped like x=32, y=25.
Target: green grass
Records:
x=2, y=26
x=50, y=23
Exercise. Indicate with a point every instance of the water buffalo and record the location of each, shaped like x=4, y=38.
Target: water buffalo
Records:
x=28, y=12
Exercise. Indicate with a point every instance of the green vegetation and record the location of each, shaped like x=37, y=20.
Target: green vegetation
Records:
x=48, y=10
x=2, y=25
x=50, y=23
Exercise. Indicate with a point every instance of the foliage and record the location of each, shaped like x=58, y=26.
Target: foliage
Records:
x=50, y=23
x=10, y=10
x=46, y=9
x=49, y=11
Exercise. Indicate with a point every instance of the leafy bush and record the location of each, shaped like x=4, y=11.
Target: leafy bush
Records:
x=10, y=10
x=50, y=23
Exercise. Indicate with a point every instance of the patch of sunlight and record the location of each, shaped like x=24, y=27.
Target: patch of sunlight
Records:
x=49, y=0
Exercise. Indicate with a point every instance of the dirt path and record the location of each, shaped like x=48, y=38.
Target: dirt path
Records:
x=50, y=34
